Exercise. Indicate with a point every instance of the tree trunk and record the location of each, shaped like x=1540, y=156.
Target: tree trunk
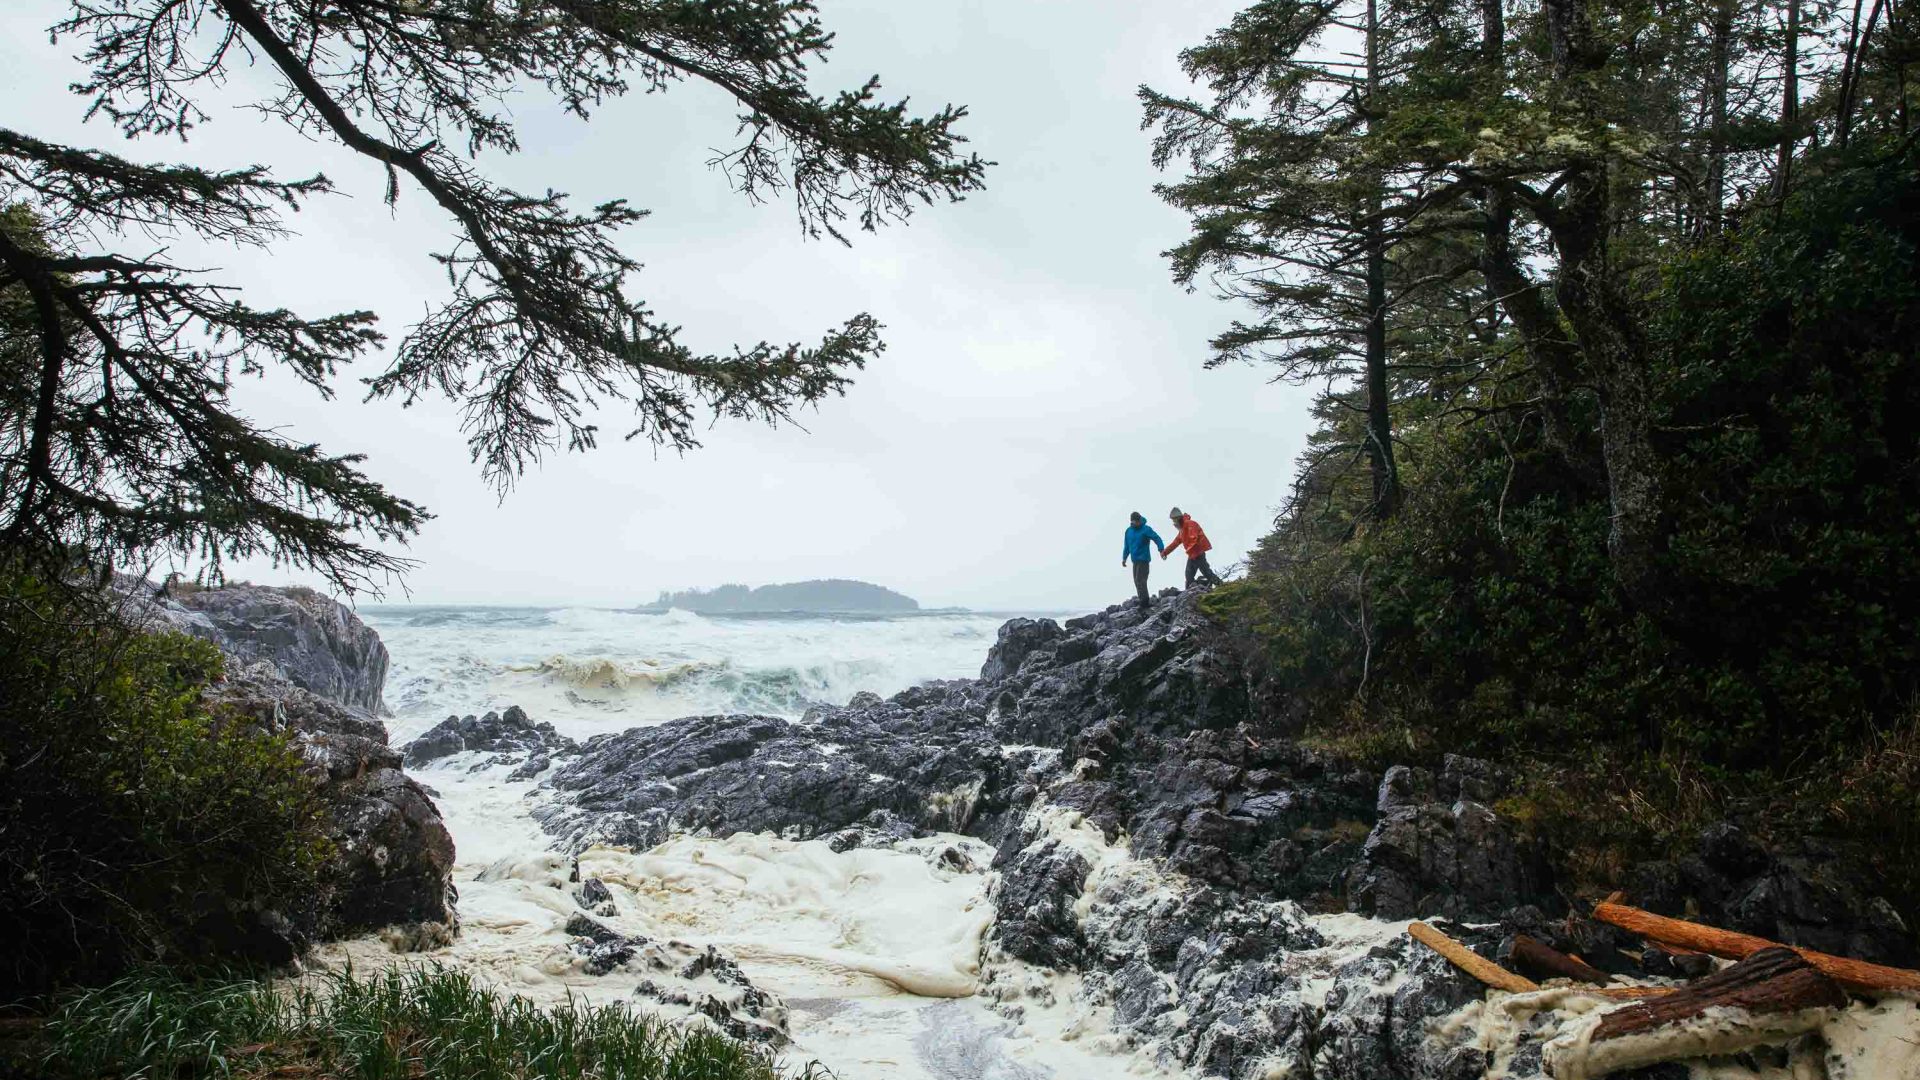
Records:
x=1481, y=968
x=1386, y=474
x=1855, y=66
x=1771, y=998
x=1538, y=960
x=1615, y=355
x=1856, y=975
x=1554, y=360
x=1611, y=347
x=1789, y=102
x=1770, y=981
x=1548, y=350
x=1717, y=148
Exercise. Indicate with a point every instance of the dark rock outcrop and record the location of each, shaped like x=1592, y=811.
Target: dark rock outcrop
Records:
x=317, y=643
x=1437, y=849
x=509, y=737
x=699, y=979
x=1017, y=640
x=934, y=767
x=1790, y=893
x=393, y=856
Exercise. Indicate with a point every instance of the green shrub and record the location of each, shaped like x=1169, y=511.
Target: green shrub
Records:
x=134, y=825
x=402, y=1024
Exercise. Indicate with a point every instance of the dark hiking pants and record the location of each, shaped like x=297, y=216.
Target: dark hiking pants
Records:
x=1140, y=570
x=1198, y=565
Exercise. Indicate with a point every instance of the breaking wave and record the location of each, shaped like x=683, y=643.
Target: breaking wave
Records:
x=601, y=673
x=594, y=670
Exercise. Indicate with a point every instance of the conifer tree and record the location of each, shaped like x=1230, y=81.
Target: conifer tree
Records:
x=118, y=438
x=1563, y=149
x=1289, y=184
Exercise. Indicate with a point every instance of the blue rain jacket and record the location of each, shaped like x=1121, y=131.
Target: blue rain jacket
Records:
x=1135, y=547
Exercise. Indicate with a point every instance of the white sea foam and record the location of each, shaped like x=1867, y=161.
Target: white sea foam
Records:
x=877, y=953
x=590, y=671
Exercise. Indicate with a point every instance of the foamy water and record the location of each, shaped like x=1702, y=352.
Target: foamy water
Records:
x=876, y=953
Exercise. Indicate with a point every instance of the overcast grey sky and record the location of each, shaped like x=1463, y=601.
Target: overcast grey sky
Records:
x=1042, y=378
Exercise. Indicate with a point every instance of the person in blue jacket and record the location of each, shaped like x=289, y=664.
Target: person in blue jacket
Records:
x=1135, y=549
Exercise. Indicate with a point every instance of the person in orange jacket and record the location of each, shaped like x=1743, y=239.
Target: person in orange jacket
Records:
x=1188, y=534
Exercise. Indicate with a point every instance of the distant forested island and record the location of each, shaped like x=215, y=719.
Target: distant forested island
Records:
x=834, y=594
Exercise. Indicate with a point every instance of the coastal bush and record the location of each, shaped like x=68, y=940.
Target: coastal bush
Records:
x=401, y=1024
x=135, y=825
x=1776, y=673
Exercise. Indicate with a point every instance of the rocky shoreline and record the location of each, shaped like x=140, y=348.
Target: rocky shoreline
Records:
x=1225, y=900
x=1153, y=841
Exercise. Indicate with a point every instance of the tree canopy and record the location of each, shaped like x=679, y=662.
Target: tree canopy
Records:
x=118, y=437
x=1648, y=303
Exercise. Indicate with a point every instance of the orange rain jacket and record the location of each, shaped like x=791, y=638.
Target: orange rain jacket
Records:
x=1191, y=536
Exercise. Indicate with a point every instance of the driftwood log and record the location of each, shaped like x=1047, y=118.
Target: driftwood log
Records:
x=1771, y=997
x=1776, y=980
x=1856, y=975
x=1536, y=959
x=1469, y=961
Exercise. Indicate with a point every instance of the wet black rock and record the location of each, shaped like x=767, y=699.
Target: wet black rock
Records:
x=1040, y=886
x=1460, y=860
x=1018, y=639
x=594, y=895
x=510, y=737
x=1792, y=893
x=881, y=828
x=933, y=768
x=701, y=980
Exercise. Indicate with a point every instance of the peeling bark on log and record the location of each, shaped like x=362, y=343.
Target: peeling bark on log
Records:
x=1772, y=997
x=1536, y=959
x=1471, y=962
x=1856, y=975
x=1771, y=981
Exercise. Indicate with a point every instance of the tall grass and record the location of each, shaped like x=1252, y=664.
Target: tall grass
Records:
x=401, y=1024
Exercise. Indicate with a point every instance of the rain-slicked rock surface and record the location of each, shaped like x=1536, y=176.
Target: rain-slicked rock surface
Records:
x=507, y=738
x=393, y=856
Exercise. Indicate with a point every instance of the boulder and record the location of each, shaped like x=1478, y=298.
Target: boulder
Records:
x=1017, y=640
x=1793, y=891
x=393, y=856
x=318, y=643
x=510, y=737
x=302, y=664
